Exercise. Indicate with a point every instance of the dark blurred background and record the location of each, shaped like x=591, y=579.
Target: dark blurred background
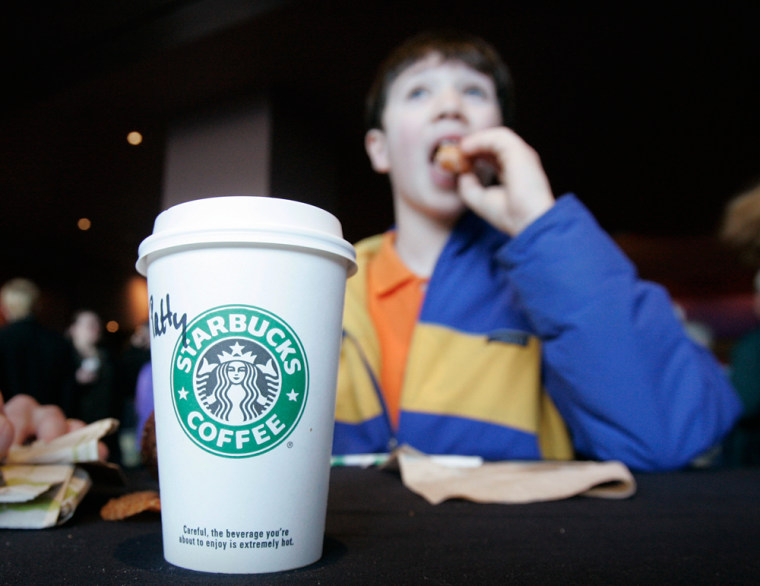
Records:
x=647, y=111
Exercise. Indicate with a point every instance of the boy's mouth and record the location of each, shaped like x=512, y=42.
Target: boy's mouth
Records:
x=448, y=162
x=442, y=175
x=445, y=141
x=448, y=157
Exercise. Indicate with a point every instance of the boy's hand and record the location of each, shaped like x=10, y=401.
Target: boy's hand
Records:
x=523, y=192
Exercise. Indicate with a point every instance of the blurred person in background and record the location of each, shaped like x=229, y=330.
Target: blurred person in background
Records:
x=134, y=356
x=743, y=445
x=143, y=398
x=741, y=230
x=132, y=359
x=94, y=397
x=34, y=360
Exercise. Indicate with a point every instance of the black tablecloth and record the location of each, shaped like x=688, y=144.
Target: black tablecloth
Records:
x=686, y=527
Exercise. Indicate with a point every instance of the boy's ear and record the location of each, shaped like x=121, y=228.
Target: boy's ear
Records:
x=375, y=144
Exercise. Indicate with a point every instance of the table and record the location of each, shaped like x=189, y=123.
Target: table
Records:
x=691, y=527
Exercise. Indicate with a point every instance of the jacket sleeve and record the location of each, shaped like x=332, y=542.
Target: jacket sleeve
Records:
x=629, y=382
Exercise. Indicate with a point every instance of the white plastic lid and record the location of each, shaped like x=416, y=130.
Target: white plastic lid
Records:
x=245, y=220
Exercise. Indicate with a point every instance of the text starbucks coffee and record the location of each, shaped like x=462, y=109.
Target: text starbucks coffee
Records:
x=235, y=323
x=209, y=432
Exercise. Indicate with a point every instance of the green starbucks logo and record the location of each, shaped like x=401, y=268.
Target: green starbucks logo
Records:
x=239, y=381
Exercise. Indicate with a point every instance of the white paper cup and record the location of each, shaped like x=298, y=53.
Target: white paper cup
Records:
x=246, y=298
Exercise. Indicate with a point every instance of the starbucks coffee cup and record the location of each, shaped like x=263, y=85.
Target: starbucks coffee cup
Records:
x=246, y=304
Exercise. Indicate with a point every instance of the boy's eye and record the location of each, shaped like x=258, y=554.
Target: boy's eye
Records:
x=417, y=92
x=475, y=91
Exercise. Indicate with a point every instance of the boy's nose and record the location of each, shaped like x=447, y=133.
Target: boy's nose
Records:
x=449, y=104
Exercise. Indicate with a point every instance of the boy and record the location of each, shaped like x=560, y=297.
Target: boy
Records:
x=494, y=319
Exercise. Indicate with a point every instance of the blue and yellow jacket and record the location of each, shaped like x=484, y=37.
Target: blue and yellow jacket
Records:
x=540, y=347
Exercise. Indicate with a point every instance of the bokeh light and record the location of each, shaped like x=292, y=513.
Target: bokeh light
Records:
x=134, y=138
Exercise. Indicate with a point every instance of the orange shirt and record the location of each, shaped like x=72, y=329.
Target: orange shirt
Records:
x=395, y=299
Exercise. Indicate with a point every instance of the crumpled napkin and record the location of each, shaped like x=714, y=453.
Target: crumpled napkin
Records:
x=44, y=482
x=510, y=482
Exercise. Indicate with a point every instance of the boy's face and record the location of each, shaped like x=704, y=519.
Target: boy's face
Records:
x=431, y=101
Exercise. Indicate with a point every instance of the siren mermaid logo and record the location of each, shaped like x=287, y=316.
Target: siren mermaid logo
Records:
x=239, y=381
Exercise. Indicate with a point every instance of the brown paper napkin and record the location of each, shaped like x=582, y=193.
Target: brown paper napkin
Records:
x=511, y=482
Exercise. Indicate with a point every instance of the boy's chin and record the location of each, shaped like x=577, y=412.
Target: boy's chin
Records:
x=447, y=208
x=443, y=180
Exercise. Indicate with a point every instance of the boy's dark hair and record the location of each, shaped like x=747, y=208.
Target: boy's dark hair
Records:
x=451, y=45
